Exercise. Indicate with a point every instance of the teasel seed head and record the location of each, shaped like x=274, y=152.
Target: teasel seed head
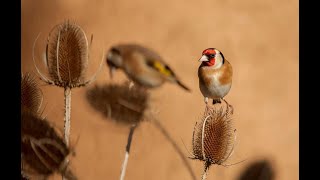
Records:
x=43, y=151
x=213, y=137
x=31, y=94
x=119, y=102
x=67, y=55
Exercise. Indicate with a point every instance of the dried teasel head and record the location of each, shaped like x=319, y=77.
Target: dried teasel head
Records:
x=43, y=151
x=67, y=54
x=119, y=102
x=31, y=94
x=213, y=137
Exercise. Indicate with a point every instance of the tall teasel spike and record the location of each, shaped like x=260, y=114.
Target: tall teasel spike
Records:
x=66, y=58
x=213, y=137
x=31, y=94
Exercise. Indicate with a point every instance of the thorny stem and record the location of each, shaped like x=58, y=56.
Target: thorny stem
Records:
x=205, y=170
x=175, y=146
x=125, y=162
x=67, y=112
x=67, y=98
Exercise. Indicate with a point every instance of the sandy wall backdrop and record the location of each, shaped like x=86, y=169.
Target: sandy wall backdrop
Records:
x=258, y=37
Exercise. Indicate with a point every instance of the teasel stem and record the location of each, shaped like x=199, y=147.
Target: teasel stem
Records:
x=67, y=101
x=67, y=120
x=205, y=170
x=126, y=158
x=175, y=146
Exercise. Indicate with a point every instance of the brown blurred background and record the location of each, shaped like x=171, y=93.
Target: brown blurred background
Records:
x=259, y=38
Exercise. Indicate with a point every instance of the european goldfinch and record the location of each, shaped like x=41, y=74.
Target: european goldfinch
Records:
x=141, y=65
x=215, y=75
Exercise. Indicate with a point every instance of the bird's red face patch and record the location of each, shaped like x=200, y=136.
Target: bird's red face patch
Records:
x=210, y=53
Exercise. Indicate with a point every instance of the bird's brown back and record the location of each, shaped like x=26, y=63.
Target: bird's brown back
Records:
x=206, y=73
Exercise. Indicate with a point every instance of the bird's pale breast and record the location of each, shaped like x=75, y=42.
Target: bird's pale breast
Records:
x=215, y=83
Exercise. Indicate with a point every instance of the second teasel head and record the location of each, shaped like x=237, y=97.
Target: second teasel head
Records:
x=119, y=102
x=213, y=137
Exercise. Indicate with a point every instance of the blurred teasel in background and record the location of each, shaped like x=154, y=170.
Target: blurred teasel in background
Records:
x=31, y=94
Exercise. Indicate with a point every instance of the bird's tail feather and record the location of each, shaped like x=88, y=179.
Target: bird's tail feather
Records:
x=182, y=85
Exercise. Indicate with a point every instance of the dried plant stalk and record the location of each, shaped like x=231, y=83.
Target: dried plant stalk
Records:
x=67, y=59
x=43, y=150
x=205, y=170
x=67, y=116
x=213, y=137
x=67, y=54
x=126, y=157
x=31, y=94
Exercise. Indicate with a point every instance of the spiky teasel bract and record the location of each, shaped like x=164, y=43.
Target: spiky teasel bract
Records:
x=119, y=102
x=31, y=94
x=213, y=137
x=43, y=151
x=67, y=55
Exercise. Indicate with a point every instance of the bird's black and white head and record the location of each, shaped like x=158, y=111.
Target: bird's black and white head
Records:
x=114, y=60
x=212, y=57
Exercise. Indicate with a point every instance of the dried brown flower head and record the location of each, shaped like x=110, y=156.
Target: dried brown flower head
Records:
x=213, y=137
x=258, y=170
x=67, y=54
x=31, y=94
x=119, y=102
x=43, y=151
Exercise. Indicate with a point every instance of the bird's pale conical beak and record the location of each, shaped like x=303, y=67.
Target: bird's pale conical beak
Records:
x=203, y=58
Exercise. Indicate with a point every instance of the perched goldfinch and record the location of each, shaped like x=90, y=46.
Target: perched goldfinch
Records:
x=215, y=75
x=142, y=65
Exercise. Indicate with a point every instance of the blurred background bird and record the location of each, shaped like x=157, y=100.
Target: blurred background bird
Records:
x=142, y=65
x=215, y=75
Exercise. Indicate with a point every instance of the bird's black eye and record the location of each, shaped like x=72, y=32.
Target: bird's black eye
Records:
x=211, y=55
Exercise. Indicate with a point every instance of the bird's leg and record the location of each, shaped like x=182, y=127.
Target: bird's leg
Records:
x=206, y=100
x=229, y=105
x=215, y=101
